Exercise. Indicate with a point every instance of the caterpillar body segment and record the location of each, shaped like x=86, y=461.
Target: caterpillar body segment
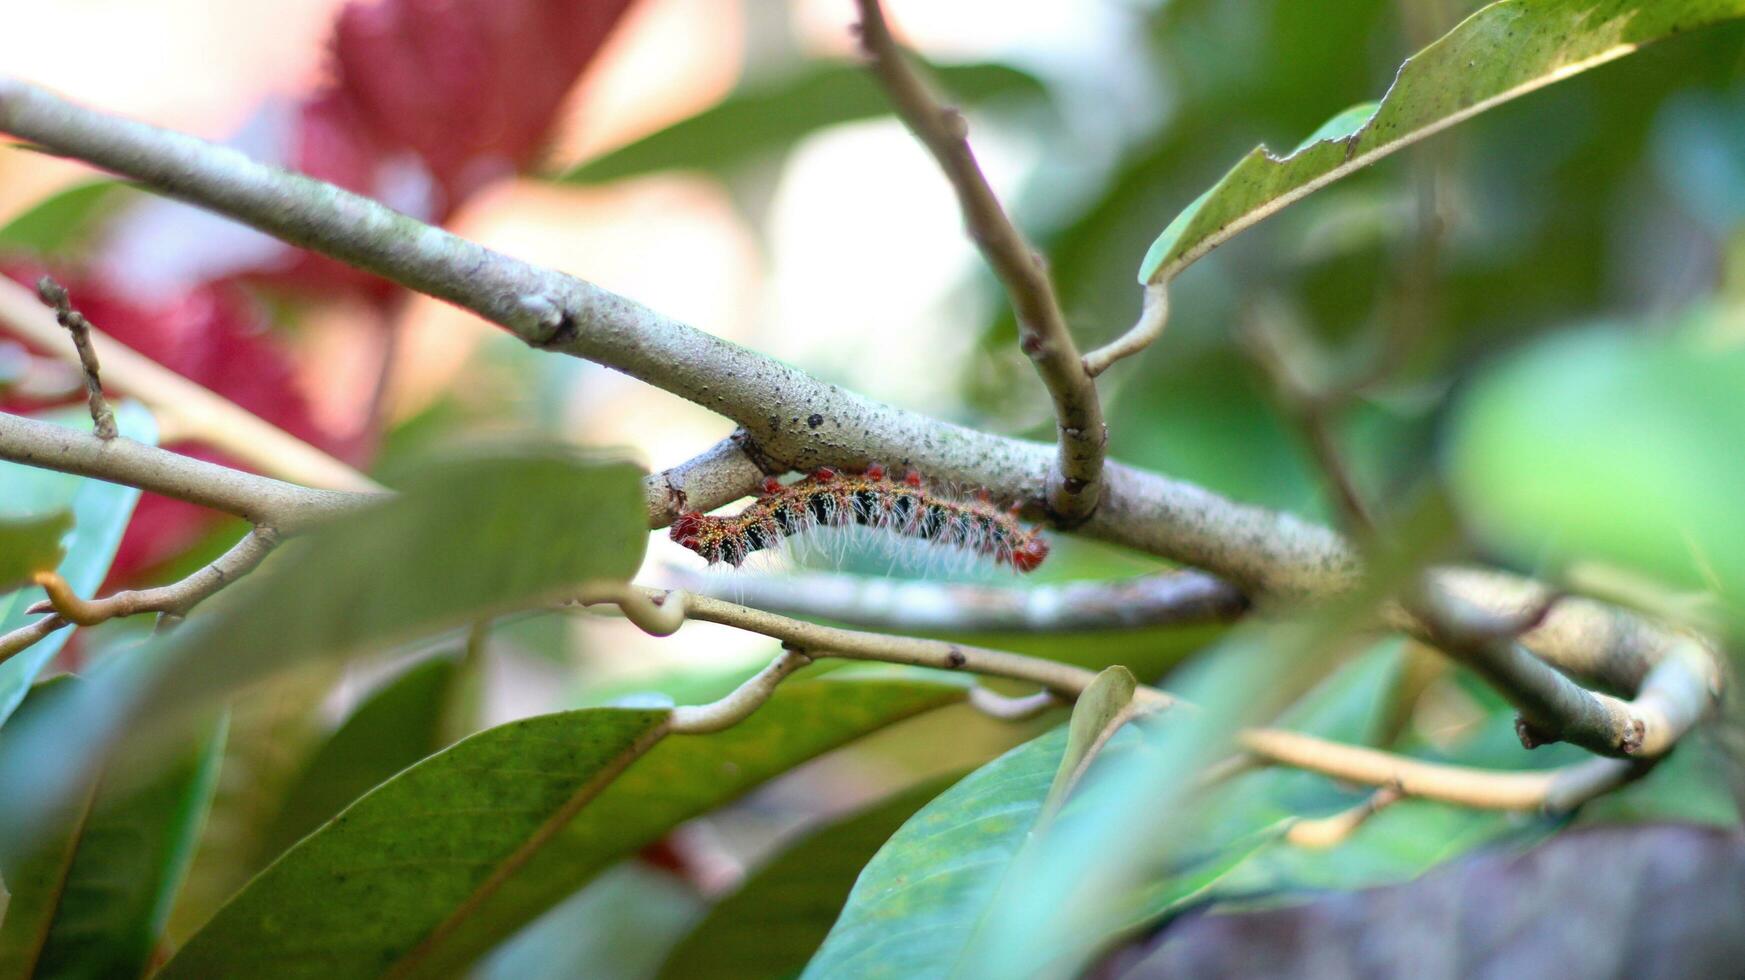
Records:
x=829, y=499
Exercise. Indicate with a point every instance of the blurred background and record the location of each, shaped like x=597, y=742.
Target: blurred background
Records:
x=724, y=162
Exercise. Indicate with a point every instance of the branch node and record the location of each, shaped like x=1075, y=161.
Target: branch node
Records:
x=755, y=452
x=953, y=123
x=1531, y=736
x=556, y=326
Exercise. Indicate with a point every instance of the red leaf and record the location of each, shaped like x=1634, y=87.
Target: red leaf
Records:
x=470, y=86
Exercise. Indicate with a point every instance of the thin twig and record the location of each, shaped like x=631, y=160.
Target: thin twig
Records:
x=1553, y=790
x=1076, y=482
x=28, y=635
x=1009, y=708
x=662, y=613
x=1307, y=409
x=183, y=409
x=702, y=719
x=1332, y=830
x=1183, y=598
x=1511, y=625
x=55, y=295
x=173, y=601
x=1153, y=317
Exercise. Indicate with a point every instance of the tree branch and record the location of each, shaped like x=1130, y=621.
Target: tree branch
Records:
x=1307, y=410
x=1553, y=707
x=28, y=635
x=796, y=420
x=1165, y=599
x=257, y=499
x=718, y=476
x=1554, y=790
x=183, y=408
x=1008, y=708
x=1076, y=481
x=174, y=600
x=702, y=719
x=662, y=613
x=1676, y=695
x=55, y=295
x=1333, y=830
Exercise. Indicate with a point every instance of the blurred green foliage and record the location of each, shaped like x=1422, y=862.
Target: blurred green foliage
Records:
x=1543, y=307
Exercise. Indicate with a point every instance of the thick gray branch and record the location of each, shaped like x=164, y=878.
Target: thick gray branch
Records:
x=1553, y=707
x=257, y=499
x=795, y=420
x=713, y=478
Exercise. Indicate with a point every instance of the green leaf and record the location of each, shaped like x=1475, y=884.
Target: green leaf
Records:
x=771, y=118
x=918, y=901
x=455, y=854
x=397, y=726
x=62, y=221
x=31, y=544
x=1102, y=708
x=463, y=541
x=777, y=919
x=274, y=726
x=1605, y=446
x=100, y=515
x=430, y=843
x=94, y=901
x=1504, y=50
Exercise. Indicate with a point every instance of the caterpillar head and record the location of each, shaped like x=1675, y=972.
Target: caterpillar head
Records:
x=688, y=529
x=1030, y=554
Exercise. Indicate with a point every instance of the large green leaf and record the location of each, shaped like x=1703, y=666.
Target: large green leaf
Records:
x=927, y=903
x=917, y=902
x=93, y=902
x=1600, y=445
x=398, y=725
x=770, y=118
x=776, y=920
x=427, y=845
x=274, y=727
x=455, y=854
x=463, y=541
x=1502, y=51
x=100, y=514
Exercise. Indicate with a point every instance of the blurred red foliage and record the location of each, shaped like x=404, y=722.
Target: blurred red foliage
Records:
x=429, y=101
x=217, y=335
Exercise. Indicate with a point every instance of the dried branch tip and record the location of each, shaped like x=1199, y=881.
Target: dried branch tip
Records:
x=55, y=296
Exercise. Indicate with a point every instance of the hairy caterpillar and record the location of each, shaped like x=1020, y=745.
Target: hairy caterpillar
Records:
x=828, y=499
